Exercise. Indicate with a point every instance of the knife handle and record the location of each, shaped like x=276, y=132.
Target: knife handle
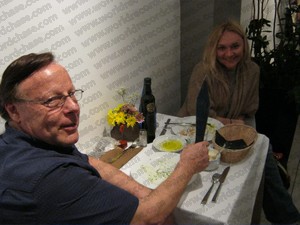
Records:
x=214, y=199
x=117, y=157
x=204, y=200
x=164, y=130
x=112, y=160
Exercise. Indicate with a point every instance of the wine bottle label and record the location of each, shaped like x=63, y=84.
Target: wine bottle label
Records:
x=150, y=107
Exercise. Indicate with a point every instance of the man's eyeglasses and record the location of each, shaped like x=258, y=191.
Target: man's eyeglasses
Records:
x=55, y=101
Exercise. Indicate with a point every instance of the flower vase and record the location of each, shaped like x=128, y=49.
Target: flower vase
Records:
x=129, y=133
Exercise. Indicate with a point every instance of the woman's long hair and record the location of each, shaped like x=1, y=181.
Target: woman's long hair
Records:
x=214, y=70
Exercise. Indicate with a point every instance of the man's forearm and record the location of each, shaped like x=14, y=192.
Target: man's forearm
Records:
x=161, y=202
x=154, y=205
x=118, y=178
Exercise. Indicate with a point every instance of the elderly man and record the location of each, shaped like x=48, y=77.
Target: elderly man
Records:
x=46, y=180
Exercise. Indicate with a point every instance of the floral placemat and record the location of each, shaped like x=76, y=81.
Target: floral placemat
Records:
x=129, y=154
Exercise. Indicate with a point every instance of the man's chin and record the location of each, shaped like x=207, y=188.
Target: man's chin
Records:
x=69, y=140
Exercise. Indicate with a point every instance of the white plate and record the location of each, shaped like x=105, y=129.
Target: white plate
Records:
x=153, y=170
x=169, y=143
x=189, y=132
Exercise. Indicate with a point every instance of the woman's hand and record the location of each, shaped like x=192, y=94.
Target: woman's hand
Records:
x=226, y=121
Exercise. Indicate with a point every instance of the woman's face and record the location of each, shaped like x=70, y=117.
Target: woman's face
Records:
x=230, y=49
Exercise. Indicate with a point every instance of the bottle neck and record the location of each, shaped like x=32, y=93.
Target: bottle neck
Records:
x=148, y=89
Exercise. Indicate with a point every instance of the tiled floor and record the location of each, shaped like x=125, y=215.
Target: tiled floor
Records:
x=294, y=171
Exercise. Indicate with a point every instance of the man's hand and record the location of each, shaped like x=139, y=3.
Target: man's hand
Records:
x=195, y=157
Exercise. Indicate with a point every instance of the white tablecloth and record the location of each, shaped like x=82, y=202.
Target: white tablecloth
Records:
x=237, y=197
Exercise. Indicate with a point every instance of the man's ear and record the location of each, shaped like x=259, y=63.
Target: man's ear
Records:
x=12, y=112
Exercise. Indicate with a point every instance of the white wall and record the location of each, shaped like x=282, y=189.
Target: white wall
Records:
x=247, y=14
x=197, y=19
x=104, y=45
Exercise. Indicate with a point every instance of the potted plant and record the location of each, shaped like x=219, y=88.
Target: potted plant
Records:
x=280, y=74
x=125, y=118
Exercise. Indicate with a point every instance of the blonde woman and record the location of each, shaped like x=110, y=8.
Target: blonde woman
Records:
x=232, y=78
x=233, y=84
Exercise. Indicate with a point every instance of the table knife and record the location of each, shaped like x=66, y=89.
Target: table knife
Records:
x=182, y=123
x=221, y=180
x=133, y=145
x=164, y=130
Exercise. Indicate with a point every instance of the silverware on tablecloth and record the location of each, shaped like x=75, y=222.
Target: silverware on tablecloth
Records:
x=133, y=145
x=182, y=123
x=215, y=179
x=164, y=130
x=221, y=180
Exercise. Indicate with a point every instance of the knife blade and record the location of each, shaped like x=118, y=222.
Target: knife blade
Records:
x=221, y=180
x=202, y=110
x=182, y=123
x=164, y=130
x=133, y=145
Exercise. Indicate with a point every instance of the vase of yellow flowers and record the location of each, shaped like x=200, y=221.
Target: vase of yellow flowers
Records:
x=125, y=119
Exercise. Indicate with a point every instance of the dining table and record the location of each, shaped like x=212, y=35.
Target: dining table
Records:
x=237, y=199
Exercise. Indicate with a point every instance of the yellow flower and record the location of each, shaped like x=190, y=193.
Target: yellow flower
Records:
x=131, y=121
x=120, y=118
x=126, y=114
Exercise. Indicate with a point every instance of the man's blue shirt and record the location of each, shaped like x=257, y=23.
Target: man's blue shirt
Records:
x=45, y=184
